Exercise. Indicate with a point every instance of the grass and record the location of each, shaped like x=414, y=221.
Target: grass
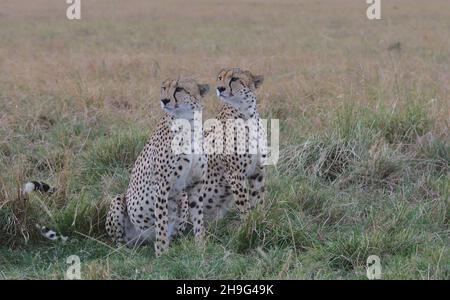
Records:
x=363, y=108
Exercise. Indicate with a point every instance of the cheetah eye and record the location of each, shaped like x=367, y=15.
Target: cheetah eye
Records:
x=178, y=89
x=234, y=79
x=163, y=88
x=220, y=78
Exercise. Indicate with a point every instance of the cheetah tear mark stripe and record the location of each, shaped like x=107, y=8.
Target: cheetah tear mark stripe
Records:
x=38, y=186
x=50, y=234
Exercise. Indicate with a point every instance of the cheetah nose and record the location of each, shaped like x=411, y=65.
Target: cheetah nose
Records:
x=165, y=101
x=221, y=89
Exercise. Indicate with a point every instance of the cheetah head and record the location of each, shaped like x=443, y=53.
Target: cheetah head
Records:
x=181, y=98
x=236, y=87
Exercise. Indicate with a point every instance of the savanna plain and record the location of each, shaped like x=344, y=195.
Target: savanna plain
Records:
x=363, y=107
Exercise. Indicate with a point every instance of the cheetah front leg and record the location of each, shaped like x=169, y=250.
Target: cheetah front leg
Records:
x=196, y=214
x=239, y=189
x=161, y=218
x=184, y=210
x=115, y=220
x=257, y=186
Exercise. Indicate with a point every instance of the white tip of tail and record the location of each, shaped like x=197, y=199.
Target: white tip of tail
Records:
x=51, y=234
x=28, y=187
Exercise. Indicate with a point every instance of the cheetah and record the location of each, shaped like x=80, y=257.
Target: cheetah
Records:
x=155, y=205
x=237, y=174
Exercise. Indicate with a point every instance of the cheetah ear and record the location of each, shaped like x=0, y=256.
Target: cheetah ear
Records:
x=204, y=89
x=258, y=80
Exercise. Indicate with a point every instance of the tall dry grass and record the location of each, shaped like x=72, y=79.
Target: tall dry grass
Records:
x=363, y=106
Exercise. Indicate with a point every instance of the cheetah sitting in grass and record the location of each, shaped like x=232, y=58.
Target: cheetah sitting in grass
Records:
x=155, y=206
x=237, y=171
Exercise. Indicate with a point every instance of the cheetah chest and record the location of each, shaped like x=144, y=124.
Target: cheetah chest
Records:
x=252, y=162
x=188, y=171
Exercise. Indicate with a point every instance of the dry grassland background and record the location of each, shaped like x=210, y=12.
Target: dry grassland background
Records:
x=364, y=114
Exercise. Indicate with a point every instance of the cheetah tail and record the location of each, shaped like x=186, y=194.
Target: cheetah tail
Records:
x=50, y=234
x=42, y=187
